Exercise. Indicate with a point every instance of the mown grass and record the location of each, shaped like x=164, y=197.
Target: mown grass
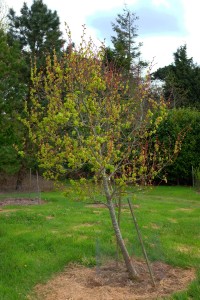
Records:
x=38, y=241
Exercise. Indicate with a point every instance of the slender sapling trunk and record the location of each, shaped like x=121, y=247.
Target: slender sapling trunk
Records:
x=129, y=265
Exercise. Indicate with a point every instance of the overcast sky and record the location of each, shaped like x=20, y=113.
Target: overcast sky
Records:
x=163, y=25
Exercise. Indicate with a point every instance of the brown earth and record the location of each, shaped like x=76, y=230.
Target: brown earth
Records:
x=111, y=282
x=20, y=201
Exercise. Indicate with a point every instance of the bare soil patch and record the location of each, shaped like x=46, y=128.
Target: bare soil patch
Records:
x=184, y=209
x=20, y=201
x=7, y=210
x=103, y=205
x=111, y=282
x=154, y=226
x=172, y=220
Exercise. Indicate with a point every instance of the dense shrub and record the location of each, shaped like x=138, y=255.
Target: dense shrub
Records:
x=181, y=122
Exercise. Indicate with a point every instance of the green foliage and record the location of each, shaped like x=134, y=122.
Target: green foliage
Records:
x=87, y=118
x=181, y=80
x=182, y=122
x=12, y=66
x=125, y=54
x=36, y=29
x=125, y=49
x=84, y=190
x=12, y=97
x=30, y=35
x=83, y=114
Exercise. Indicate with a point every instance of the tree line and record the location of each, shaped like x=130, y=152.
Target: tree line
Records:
x=28, y=38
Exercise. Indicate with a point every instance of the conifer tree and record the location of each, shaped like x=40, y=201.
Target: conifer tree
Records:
x=126, y=51
x=181, y=80
x=12, y=96
x=36, y=29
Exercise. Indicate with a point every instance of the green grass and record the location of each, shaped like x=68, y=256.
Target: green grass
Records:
x=38, y=241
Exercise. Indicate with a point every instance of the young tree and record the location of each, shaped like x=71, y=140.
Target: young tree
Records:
x=89, y=119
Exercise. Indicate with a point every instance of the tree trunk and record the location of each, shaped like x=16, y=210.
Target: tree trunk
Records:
x=130, y=268
x=20, y=177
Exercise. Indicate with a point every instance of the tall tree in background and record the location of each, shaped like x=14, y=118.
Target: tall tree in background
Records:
x=36, y=29
x=181, y=80
x=12, y=96
x=32, y=35
x=126, y=51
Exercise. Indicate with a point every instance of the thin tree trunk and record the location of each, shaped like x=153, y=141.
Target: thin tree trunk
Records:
x=130, y=268
x=119, y=221
x=20, y=177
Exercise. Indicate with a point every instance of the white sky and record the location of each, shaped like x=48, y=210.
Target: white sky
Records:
x=159, y=47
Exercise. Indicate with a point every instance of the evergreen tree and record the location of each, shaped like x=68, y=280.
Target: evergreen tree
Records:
x=12, y=95
x=126, y=52
x=181, y=80
x=36, y=29
x=31, y=35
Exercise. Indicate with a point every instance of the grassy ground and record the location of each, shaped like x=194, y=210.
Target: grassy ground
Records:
x=38, y=241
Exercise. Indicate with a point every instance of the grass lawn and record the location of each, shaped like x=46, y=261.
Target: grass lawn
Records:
x=38, y=241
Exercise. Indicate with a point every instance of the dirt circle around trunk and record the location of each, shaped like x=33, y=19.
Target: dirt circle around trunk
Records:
x=111, y=282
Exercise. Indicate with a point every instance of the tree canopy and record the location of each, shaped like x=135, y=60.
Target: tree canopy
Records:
x=36, y=29
x=125, y=53
x=188, y=121
x=12, y=97
x=181, y=80
x=30, y=36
